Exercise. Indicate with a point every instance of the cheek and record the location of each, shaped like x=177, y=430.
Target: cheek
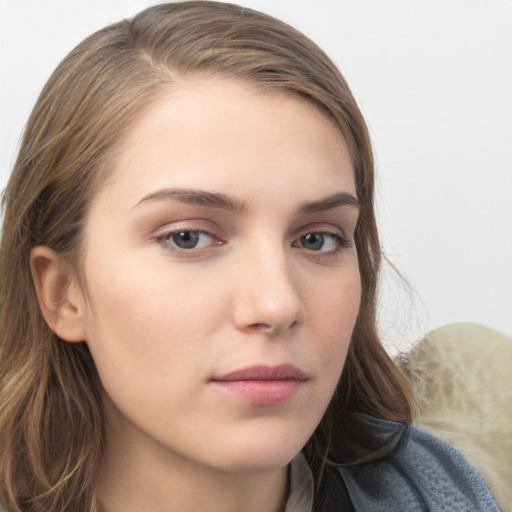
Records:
x=332, y=314
x=336, y=305
x=144, y=318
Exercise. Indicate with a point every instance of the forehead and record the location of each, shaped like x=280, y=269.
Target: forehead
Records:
x=219, y=133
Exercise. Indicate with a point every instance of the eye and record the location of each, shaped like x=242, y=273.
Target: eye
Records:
x=322, y=242
x=187, y=239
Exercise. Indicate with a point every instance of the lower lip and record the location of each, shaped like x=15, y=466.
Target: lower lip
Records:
x=261, y=392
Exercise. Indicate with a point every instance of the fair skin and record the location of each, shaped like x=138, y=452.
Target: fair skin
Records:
x=264, y=274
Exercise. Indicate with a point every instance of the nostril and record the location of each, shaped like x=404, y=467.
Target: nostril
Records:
x=262, y=326
x=272, y=328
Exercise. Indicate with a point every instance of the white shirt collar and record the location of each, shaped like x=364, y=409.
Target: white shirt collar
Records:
x=302, y=487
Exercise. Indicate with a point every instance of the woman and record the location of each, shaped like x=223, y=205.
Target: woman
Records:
x=189, y=265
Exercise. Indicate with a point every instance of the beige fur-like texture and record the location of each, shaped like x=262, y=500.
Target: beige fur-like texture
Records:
x=462, y=379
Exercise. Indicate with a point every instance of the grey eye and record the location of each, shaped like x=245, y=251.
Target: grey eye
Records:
x=186, y=239
x=312, y=241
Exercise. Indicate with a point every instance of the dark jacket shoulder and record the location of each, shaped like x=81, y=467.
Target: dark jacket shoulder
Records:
x=424, y=474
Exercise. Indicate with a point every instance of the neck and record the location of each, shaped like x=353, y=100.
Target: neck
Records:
x=139, y=474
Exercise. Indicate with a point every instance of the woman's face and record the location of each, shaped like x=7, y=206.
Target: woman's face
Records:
x=222, y=283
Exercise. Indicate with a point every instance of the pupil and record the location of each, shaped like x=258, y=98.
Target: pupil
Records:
x=186, y=239
x=313, y=241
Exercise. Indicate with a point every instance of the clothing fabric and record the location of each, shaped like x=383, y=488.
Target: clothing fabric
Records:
x=461, y=380
x=302, y=486
x=424, y=474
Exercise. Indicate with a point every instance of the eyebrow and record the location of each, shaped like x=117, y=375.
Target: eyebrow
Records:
x=198, y=198
x=232, y=204
x=328, y=203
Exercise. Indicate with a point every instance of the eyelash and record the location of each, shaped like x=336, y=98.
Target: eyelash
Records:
x=341, y=242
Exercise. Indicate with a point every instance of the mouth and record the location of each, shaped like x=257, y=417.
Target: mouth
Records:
x=262, y=385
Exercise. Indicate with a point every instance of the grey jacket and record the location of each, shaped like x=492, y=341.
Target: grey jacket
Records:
x=424, y=474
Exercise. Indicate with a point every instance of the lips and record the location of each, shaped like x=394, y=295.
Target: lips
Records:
x=262, y=385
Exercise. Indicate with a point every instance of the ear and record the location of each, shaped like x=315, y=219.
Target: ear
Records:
x=59, y=295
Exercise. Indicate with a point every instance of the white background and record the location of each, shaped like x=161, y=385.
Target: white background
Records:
x=434, y=80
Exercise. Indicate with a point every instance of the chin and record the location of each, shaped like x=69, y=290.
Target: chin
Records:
x=264, y=452
x=256, y=463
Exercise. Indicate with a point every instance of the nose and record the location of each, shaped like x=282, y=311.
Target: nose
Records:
x=267, y=298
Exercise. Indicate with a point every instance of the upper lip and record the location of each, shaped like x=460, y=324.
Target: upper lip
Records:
x=263, y=372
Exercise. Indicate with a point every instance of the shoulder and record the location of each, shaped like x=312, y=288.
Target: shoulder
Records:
x=424, y=473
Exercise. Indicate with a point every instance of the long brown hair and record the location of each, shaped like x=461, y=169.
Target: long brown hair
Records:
x=51, y=422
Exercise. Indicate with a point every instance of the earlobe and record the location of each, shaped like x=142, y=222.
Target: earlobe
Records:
x=57, y=292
